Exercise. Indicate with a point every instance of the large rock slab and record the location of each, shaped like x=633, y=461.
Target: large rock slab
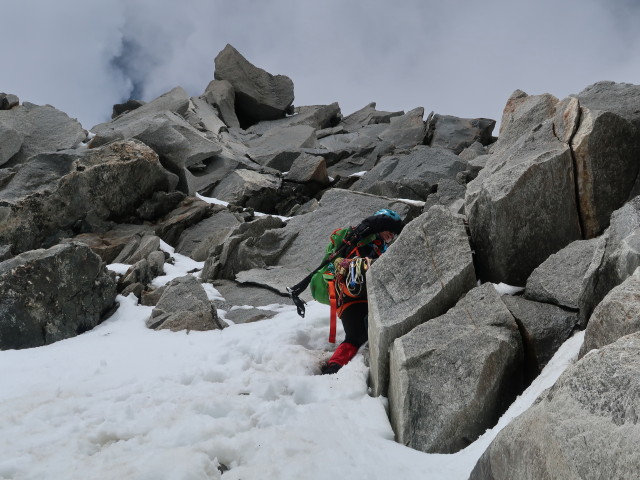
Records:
x=249, y=189
x=181, y=147
x=581, y=151
x=204, y=117
x=10, y=143
x=584, y=427
x=27, y=130
x=413, y=175
x=620, y=254
x=452, y=377
x=364, y=145
x=50, y=295
x=606, y=148
x=318, y=117
x=563, y=278
x=368, y=115
x=258, y=94
x=513, y=226
x=456, y=134
x=617, y=315
x=406, y=131
x=221, y=95
x=423, y=274
x=108, y=245
x=279, y=147
x=184, y=305
x=290, y=253
x=59, y=196
x=256, y=244
x=197, y=240
x=135, y=122
x=544, y=328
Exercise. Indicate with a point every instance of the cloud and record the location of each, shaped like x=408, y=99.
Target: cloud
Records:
x=461, y=57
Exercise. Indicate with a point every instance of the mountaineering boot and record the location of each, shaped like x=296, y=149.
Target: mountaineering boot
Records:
x=345, y=352
x=330, y=368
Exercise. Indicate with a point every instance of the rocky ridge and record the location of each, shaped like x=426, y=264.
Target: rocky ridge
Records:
x=550, y=205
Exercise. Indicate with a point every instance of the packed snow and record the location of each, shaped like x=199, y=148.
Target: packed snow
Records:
x=122, y=401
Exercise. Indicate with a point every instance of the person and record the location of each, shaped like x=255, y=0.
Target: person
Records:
x=368, y=241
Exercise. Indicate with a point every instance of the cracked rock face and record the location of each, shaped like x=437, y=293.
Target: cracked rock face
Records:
x=421, y=276
x=558, y=171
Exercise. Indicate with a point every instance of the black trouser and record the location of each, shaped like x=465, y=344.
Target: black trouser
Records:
x=354, y=321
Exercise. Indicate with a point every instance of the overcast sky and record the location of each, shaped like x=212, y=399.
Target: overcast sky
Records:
x=455, y=57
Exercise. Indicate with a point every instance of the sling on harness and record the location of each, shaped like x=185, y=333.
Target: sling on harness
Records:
x=348, y=240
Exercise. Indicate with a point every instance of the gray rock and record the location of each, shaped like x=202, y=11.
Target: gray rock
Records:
x=204, y=117
x=179, y=146
x=413, y=175
x=450, y=193
x=138, y=248
x=363, y=148
x=577, y=150
x=452, y=377
x=156, y=263
x=584, y=427
x=423, y=274
x=406, y=131
x=86, y=194
x=279, y=147
x=544, y=328
x=150, y=298
x=159, y=204
x=367, y=115
x=475, y=150
x=184, y=305
x=522, y=113
x=135, y=122
x=50, y=295
x=308, y=168
x=248, y=315
x=138, y=274
x=5, y=252
x=129, y=105
x=606, y=149
x=239, y=295
x=249, y=189
x=10, y=143
x=8, y=101
x=562, y=278
x=456, y=134
x=134, y=288
x=221, y=95
x=41, y=129
x=325, y=132
x=618, y=255
x=108, y=245
x=256, y=244
x=617, y=315
x=514, y=228
x=319, y=117
x=190, y=212
x=288, y=255
x=197, y=240
x=259, y=95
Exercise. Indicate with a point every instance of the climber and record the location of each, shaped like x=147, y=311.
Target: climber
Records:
x=340, y=280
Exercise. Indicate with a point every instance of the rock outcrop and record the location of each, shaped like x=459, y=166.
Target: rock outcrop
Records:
x=49, y=295
x=585, y=426
x=454, y=375
x=420, y=277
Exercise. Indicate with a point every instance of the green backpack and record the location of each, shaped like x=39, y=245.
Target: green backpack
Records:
x=320, y=280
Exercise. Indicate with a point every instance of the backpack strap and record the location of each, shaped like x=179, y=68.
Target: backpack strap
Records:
x=332, y=317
